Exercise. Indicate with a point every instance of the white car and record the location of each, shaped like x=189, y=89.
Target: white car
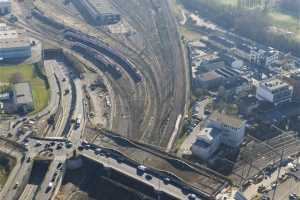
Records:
x=142, y=167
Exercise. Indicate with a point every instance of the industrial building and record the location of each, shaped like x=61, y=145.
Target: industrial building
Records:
x=5, y=7
x=274, y=91
x=217, y=77
x=255, y=55
x=103, y=16
x=14, y=44
x=264, y=57
x=22, y=96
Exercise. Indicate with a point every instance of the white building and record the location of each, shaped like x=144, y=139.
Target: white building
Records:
x=233, y=129
x=220, y=129
x=207, y=143
x=274, y=91
x=5, y=7
x=265, y=57
x=14, y=44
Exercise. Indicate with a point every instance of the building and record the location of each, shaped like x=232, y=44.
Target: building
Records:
x=5, y=7
x=247, y=104
x=209, y=80
x=22, y=95
x=103, y=16
x=274, y=91
x=14, y=44
x=215, y=78
x=259, y=56
x=264, y=57
x=294, y=80
x=233, y=129
x=207, y=142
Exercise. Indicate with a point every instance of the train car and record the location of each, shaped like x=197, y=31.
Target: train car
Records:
x=104, y=49
x=40, y=16
x=97, y=59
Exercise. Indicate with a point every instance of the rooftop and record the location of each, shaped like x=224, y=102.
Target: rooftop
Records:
x=209, y=76
x=274, y=84
x=227, y=119
x=23, y=94
x=207, y=136
x=13, y=38
x=4, y=1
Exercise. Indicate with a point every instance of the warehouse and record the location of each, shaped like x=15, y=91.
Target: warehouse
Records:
x=5, y=7
x=103, y=16
x=14, y=44
x=23, y=99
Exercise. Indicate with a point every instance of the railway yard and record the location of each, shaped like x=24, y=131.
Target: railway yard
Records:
x=120, y=76
x=129, y=78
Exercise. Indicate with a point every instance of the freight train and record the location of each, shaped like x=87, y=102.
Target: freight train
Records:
x=94, y=43
x=97, y=59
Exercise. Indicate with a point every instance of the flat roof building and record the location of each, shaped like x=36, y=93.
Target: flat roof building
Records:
x=23, y=99
x=14, y=43
x=233, y=128
x=5, y=7
x=274, y=91
x=207, y=143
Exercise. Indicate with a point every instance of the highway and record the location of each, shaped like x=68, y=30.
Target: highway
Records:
x=131, y=171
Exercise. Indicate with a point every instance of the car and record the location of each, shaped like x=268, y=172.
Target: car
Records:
x=49, y=187
x=54, y=177
x=69, y=145
x=59, y=146
x=274, y=185
x=16, y=185
x=292, y=196
x=142, y=167
x=37, y=144
x=192, y=196
x=98, y=151
x=28, y=160
x=166, y=180
x=148, y=177
x=52, y=143
x=80, y=148
x=59, y=166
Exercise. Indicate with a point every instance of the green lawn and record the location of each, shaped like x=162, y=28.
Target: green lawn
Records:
x=285, y=21
x=40, y=92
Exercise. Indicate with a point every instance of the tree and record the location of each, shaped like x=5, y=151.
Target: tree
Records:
x=290, y=6
x=16, y=78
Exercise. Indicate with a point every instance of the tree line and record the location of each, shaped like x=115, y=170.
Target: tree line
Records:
x=252, y=23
